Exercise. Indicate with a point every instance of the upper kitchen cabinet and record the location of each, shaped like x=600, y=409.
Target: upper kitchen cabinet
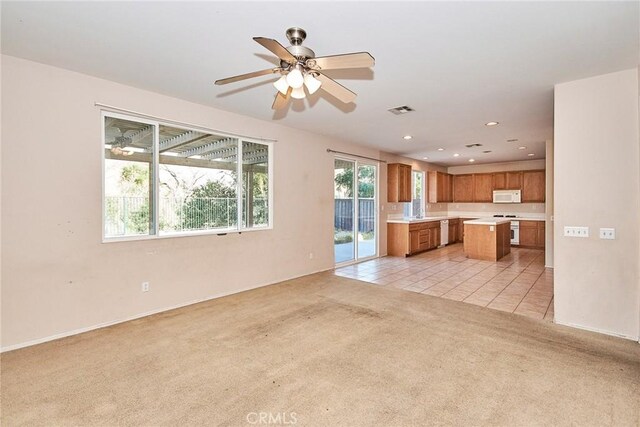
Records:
x=533, y=186
x=507, y=180
x=440, y=187
x=463, y=188
x=483, y=187
x=398, y=183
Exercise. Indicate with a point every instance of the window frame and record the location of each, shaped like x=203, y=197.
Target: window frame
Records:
x=156, y=176
x=423, y=205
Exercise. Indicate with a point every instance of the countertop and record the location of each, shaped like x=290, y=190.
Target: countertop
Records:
x=417, y=220
x=488, y=221
x=475, y=217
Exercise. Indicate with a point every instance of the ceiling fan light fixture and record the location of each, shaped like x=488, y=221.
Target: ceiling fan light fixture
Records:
x=311, y=83
x=298, y=93
x=282, y=85
x=295, y=79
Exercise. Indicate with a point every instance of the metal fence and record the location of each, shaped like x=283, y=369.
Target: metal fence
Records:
x=130, y=215
x=343, y=215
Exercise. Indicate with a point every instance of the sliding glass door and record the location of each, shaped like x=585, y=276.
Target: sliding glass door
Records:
x=355, y=233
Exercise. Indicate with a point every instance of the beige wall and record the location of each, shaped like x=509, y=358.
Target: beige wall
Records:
x=59, y=278
x=597, y=184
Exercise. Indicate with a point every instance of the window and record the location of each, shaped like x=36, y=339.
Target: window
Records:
x=416, y=207
x=163, y=180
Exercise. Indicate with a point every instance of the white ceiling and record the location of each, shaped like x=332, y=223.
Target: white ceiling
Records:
x=459, y=65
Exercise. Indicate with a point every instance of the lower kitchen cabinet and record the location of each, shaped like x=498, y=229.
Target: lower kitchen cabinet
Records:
x=409, y=239
x=532, y=234
x=454, y=228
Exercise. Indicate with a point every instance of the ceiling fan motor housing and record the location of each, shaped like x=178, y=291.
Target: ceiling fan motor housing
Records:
x=296, y=36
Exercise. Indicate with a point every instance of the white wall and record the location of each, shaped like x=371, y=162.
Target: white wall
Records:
x=597, y=184
x=59, y=278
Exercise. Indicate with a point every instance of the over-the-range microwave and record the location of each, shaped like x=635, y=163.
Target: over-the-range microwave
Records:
x=506, y=196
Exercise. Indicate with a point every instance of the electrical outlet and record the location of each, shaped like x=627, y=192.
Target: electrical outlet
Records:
x=310, y=255
x=576, y=232
x=145, y=286
x=608, y=233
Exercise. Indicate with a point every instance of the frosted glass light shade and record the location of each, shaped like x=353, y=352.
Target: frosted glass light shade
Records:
x=295, y=79
x=298, y=93
x=311, y=83
x=282, y=85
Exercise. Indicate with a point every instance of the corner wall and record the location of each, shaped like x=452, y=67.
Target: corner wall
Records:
x=58, y=278
x=597, y=184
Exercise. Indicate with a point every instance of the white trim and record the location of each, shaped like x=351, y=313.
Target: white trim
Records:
x=600, y=331
x=147, y=313
x=116, y=110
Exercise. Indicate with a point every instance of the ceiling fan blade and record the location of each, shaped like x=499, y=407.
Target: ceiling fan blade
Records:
x=334, y=88
x=246, y=76
x=277, y=49
x=281, y=100
x=347, y=60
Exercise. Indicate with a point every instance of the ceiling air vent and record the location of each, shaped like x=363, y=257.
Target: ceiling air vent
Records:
x=473, y=145
x=401, y=110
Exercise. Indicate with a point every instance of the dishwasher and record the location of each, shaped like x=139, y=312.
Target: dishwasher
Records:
x=444, y=232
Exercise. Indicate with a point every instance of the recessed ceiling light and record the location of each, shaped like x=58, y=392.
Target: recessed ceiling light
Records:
x=530, y=154
x=512, y=140
x=456, y=155
x=491, y=124
x=425, y=158
x=522, y=148
x=407, y=137
x=440, y=149
x=472, y=160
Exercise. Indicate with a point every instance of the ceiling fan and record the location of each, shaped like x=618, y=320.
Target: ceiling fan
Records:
x=299, y=68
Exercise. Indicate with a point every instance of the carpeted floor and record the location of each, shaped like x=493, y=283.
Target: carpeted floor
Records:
x=325, y=350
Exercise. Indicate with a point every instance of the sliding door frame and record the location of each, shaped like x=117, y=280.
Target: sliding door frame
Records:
x=356, y=210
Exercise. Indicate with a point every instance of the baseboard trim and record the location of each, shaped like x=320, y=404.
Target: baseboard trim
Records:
x=145, y=314
x=597, y=330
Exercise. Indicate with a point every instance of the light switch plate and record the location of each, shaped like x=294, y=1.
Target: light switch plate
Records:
x=608, y=233
x=576, y=232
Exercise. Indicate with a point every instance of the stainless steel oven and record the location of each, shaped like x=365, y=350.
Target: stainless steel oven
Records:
x=515, y=232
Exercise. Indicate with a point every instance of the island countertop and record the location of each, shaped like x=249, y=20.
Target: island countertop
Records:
x=487, y=221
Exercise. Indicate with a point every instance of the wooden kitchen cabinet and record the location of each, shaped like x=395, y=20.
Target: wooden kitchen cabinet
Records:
x=454, y=225
x=414, y=241
x=483, y=188
x=507, y=180
x=487, y=242
x=541, y=235
x=398, y=183
x=533, y=186
x=440, y=187
x=463, y=188
x=408, y=239
x=532, y=234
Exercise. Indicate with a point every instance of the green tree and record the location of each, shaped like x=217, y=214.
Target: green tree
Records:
x=134, y=185
x=366, y=181
x=211, y=205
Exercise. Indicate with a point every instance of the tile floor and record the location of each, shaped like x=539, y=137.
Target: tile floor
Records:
x=518, y=283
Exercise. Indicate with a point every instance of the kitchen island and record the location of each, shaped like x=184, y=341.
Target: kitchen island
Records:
x=487, y=239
